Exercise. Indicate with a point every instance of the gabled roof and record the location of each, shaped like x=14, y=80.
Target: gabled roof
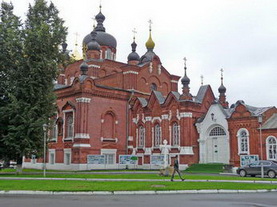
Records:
x=255, y=111
x=224, y=111
x=143, y=101
x=271, y=123
x=159, y=96
x=60, y=86
x=201, y=93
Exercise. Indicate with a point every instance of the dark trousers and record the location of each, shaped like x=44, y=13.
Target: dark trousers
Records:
x=174, y=171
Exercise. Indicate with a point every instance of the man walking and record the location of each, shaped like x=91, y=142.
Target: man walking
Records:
x=176, y=169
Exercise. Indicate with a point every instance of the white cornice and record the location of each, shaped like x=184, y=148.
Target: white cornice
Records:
x=83, y=100
x=81, y=145
x=130, y=72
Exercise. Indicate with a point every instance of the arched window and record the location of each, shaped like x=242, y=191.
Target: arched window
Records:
x=175, y=134
x=243, y=141
x=217, y=131
x=109, y=125
x=271, y=148
x=141, y=136
x=108, y=54
x=157, y=135
x=153, y=87
x=69, y=125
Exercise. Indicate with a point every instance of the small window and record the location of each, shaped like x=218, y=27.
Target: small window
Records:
x=157, y=135
x=175, y=134
x=153, y=87
x=67, y=158
x=52, y=158
x=109, y=159
x=141, y=137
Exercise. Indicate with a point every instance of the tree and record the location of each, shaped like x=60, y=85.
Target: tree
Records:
x=11, y=45
x=31, y=102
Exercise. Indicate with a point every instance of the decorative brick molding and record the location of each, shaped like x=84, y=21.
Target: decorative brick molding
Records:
x=81, y=145
x=130, y=138
x=186, y=151
x=130, y=72
x=93, y=66
x=82, y=136
x=148, y=151
x=83, y=100
x=174, y=81
x=148, y=118
x=186, y=115
x=109, y=139
x=165, y=116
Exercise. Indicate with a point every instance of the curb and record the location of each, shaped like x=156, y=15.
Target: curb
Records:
x=134, y=192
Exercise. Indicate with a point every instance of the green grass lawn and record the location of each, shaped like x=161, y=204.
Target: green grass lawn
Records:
x=50, y=185
x=131, y=175
x=205, y=168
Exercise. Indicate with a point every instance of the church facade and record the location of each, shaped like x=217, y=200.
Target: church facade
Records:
x=110, y=109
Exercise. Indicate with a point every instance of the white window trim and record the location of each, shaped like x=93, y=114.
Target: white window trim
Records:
x=110, y=151
x=67, y=151
x=178, y=138
x=64, y=122
x=239, y=141
x=267, y=147
x=139, y=134
x=51, y=151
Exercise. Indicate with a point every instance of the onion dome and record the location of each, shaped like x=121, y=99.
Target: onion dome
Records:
x=149, y=55
x=150, y=44
x=185, y=80
x=103, y=38
x=93, y=45
x=133, y=55
x=222, y=88
x=84, y=68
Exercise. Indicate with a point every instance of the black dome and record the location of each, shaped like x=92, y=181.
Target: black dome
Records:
x=93, y=45
x=185, y=80
x=103, y=39
x=133, y=56
x=222, y=89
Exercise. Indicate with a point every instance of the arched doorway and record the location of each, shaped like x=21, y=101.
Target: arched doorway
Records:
x=217, y=145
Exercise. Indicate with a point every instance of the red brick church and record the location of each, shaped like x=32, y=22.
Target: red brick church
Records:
x=107, y=109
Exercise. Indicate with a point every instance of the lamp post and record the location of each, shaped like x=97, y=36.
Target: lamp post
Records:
x=260, y=120
x=44, y=148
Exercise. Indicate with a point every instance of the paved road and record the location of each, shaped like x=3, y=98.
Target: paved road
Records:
x=183, y=200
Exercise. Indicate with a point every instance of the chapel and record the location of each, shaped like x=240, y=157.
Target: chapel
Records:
x=108, y=109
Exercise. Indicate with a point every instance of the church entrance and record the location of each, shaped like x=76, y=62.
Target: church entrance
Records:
x=217, y=146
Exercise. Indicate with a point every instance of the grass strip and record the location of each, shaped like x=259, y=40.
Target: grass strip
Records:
x=50, y=185
x=137, y=176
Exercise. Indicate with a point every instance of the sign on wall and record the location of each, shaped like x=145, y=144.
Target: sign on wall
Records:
x=128, y=159
x=157, y=159
x=247, y=159
x=96, y=159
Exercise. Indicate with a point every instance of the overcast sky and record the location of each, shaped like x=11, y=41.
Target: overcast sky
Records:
x=239, y=36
